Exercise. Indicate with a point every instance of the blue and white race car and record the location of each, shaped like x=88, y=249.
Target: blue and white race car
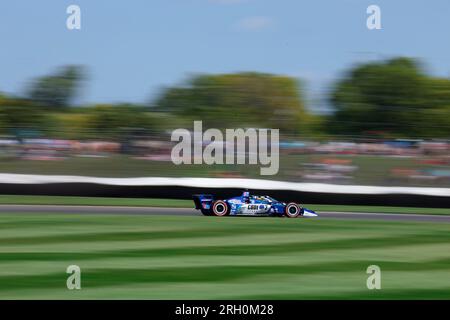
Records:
x=249, y=205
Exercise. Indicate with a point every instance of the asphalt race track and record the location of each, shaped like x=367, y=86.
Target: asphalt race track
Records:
x=61, y=209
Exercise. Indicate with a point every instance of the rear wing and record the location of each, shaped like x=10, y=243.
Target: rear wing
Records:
x=202, y=198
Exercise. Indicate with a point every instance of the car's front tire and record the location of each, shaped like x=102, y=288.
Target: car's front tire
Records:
x=292, y=210
x=220, y=208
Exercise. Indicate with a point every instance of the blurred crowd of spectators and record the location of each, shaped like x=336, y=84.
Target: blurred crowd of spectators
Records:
x=427, y=160
x=331, y=161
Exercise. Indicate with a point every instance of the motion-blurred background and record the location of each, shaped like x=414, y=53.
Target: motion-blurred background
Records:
x=354, y=106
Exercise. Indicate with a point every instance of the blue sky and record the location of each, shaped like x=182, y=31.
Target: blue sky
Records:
x=134, y=48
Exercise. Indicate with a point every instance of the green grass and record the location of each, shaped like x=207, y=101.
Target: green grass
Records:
x=94, y=201
x=379, y=209
x=168, y=257
x=174, y=203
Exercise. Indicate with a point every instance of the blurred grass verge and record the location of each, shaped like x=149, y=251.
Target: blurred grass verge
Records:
x=176, y=203
x=161, y=257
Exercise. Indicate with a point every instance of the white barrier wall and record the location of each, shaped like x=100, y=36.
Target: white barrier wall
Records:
x=255, y=184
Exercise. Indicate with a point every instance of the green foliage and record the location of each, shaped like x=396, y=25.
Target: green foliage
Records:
x=56, y=90
x=113, y=121
x=438, y=113
x=19, y=115
x=393, y=98
x=236, y=100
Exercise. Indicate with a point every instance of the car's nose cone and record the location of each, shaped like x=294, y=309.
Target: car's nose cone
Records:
x=309, y=213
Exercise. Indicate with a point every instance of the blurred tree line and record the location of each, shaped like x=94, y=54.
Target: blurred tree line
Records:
x=392, y=98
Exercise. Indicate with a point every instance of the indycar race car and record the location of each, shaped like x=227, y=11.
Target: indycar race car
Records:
x=249, y=205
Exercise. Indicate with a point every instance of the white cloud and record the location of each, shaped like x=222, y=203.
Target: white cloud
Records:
x=255, y=23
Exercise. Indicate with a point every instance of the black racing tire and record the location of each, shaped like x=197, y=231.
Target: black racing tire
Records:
x=220, y=208
x=292, y=210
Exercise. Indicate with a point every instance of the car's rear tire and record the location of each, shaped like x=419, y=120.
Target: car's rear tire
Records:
x=220, y=208
x=292, y=210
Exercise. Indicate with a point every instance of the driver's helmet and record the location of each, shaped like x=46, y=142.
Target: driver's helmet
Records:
x=246, y=196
